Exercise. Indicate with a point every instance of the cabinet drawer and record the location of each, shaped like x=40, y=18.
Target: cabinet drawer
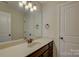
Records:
x=46, y=53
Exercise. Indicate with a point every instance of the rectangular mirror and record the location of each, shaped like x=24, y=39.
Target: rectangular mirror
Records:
x=16, y=22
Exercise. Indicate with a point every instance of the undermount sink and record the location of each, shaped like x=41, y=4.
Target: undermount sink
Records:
x=17, y=42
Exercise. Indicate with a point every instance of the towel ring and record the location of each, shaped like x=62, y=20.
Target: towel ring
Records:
x=47, y=26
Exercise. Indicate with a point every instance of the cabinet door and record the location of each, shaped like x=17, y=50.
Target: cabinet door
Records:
x=50, y=49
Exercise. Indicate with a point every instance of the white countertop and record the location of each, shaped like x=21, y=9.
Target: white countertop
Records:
x=24, y=49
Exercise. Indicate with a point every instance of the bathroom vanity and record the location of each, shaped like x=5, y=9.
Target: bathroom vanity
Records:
x=45, y=51
x=42, y=47
x=27, y=24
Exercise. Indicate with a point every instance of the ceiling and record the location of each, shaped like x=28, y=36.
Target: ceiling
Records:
x=14, y=4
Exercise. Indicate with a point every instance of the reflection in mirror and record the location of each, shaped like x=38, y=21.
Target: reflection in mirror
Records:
x=33, y=23
x=17, y=23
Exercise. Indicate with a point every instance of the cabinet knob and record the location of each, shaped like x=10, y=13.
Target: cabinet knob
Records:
x=9, y=34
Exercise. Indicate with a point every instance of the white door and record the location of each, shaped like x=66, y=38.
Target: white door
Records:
x=69, y=29
x=5, y=27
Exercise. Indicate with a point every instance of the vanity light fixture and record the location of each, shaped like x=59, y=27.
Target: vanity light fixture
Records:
x=24, y=2
x=27, y=5
x=20, y=4
x=31, y=10
x=34, y=7
x=30, y=5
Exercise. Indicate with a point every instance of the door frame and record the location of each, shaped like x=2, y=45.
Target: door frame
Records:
x=59, y=19
x=9, y=14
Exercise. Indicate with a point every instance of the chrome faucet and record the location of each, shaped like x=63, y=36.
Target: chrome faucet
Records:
x=29, y=40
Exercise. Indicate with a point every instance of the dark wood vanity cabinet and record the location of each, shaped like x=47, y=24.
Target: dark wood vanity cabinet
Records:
x=45, y=51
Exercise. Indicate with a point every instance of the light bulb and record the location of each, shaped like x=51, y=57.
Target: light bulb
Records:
x=31, y=9
x=34, y=7
x=24, y=2
x=26, y=7
x=30, y=4
x=20, y=4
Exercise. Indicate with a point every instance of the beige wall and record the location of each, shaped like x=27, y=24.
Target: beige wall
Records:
x=16, y=21
x=50, y=16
